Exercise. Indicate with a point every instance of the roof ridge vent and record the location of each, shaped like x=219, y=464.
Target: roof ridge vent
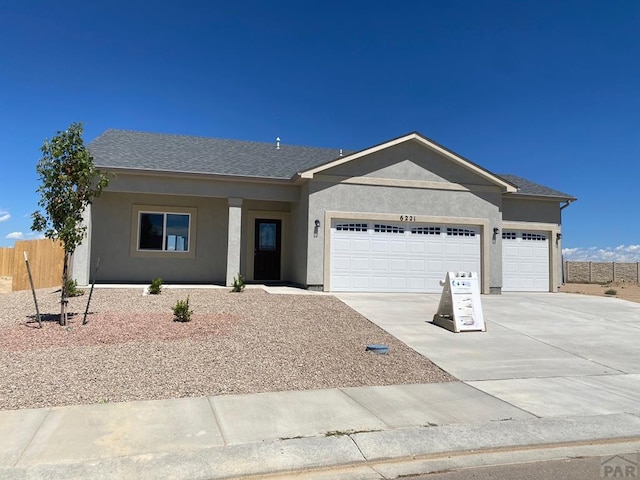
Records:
x=277, y=143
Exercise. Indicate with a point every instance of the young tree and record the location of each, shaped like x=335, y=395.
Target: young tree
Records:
x=69, y=181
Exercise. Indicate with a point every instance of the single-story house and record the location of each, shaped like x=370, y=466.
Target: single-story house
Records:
x=394, y=217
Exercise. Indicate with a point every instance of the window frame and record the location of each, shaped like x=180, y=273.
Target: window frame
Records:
x=352, y=227
x=165, y=235
x=136, y=223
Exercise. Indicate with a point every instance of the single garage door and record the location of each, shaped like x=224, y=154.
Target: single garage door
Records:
x=525, y=261
x=371, y=256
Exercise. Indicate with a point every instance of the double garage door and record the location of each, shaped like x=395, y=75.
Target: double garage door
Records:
x=525, y=261
x=374, y=256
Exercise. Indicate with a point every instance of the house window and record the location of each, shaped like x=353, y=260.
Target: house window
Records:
x=166, y=232
x=460, y=232
x=352, y=227
x=536, y=237
x=425, y=230
x=381, y=228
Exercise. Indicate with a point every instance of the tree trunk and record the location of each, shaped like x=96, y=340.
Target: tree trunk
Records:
x=63, y=291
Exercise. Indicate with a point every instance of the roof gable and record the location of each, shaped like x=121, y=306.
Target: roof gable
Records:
x=425, y=142
x=405, y=162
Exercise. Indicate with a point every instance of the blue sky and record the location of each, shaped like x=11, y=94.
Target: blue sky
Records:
x=548, y=90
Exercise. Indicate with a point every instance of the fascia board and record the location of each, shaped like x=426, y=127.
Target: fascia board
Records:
x=542, y=198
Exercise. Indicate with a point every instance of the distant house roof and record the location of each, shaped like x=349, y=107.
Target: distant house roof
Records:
x=159, y=152
x=529, y=188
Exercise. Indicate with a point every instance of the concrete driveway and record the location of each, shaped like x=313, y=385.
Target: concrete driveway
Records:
x=548, y=354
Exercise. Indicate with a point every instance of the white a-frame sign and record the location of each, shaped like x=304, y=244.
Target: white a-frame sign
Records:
x=460, y=309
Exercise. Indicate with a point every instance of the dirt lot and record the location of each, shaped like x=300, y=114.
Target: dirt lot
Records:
x=625, y=291
x=248, y=342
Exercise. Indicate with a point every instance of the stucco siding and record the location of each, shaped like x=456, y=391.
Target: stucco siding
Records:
x=526, y=210
x=408, y=161
x=82, y=263
x=203, y=186
x=112, y=230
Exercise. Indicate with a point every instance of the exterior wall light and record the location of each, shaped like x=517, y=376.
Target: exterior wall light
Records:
x=316, y=227
x=496, y=230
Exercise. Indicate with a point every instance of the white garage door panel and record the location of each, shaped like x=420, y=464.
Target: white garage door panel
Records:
x=359, y=264
x=525, y=261
x=416, y=265
x=398, y=246
x=342, y=244
x=397, y=283
x=359, y=245
x=416, y=247
x=379, y=246
x=399, y=257
x=398, y=265
x=435, y=248
x=341, y=263
x=359, y=281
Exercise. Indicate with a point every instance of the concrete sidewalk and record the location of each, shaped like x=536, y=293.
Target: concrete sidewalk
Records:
x=241, y=435
x=554, y=376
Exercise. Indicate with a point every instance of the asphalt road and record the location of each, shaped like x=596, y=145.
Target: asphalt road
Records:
x=572, y=469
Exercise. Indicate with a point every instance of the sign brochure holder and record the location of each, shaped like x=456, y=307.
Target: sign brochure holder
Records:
x=460, y=309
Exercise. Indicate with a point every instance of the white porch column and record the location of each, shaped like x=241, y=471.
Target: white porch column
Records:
x=234, y=239
x=81, y=261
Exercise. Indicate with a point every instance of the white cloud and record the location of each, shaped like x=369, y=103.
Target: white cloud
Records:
x=4, y=216
x=620, y=254
x=16, y=235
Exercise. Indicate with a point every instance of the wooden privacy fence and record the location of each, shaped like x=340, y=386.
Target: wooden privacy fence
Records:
x=6, y=261
x=46, y=259
x=601, y=272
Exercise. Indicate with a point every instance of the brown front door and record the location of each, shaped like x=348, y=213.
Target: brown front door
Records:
x=266, y=258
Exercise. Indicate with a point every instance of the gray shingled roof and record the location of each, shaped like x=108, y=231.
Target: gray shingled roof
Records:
x=188, y=154
x=527, y=187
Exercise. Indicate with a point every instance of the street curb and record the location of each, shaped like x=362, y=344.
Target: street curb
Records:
x=205, y=463
x=365, y=449
x=408, y=442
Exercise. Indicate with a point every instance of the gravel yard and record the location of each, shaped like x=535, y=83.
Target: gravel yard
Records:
x=131, y=349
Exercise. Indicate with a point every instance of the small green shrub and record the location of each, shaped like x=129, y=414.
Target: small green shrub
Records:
x=72, y=289
x=156, y=286
x=181, y=311
x=611, y=291
x=238, y=284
